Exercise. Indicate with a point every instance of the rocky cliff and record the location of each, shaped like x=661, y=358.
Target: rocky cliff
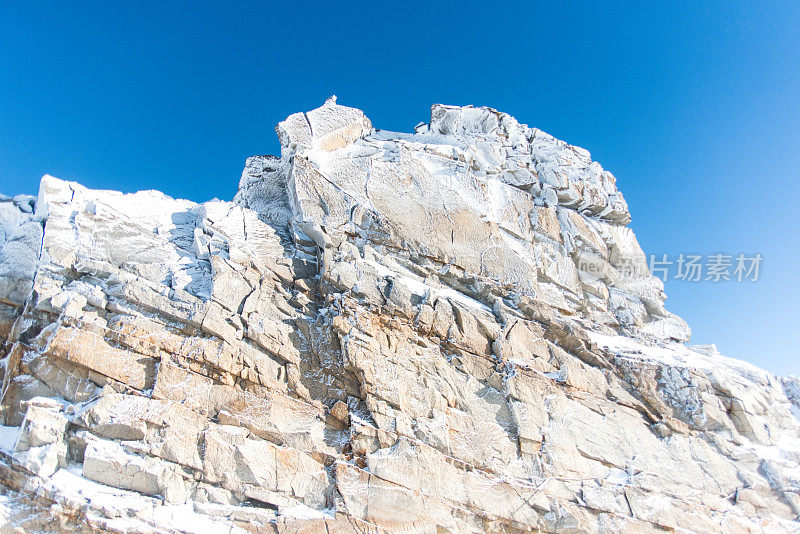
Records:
x=446, y=331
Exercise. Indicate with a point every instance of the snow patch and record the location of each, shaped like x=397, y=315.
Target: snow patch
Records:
x=421, y=288
x=301, y=511
x=8, y=438
x=672, y=354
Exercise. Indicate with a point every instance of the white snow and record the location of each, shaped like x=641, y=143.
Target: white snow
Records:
x=8, y=438
x=618, y=476
x=301, y=511
x=421, y=288
x=783, y=452
x=70, y=484
x=673, y=354
x=183, y=518
x=7, y=506
x=447, y=292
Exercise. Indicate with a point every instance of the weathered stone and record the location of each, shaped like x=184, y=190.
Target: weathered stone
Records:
x=41, y=426
x=92, y=351
x=108, y=463
x=444, y=331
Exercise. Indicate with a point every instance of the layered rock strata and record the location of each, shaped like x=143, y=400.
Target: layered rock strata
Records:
x=445, y=331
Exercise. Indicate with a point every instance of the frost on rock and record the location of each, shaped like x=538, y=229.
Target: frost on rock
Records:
x=446, y=330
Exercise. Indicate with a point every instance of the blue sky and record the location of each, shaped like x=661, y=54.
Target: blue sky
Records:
x=695, y=109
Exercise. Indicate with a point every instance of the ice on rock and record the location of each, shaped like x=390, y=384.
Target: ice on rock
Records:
x=385, y=332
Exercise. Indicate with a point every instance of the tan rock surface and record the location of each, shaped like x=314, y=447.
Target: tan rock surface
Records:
x=383, y=332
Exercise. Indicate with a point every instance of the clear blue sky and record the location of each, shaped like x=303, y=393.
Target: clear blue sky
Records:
x=695, y=109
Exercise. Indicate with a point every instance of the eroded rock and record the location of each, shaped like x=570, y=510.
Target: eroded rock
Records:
x=445, y=331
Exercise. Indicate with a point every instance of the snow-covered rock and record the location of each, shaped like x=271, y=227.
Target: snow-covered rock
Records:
x=450, y=330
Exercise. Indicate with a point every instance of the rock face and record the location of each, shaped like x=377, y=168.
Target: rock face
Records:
x=445, y=331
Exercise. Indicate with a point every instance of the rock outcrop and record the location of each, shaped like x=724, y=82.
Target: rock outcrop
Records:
x=445, y=331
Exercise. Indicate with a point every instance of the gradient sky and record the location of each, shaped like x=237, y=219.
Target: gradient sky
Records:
x=695, y=109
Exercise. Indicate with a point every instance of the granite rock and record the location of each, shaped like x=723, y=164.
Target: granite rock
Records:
x=451, y=330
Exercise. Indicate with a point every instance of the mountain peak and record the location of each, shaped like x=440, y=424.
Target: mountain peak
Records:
x=450, y=330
